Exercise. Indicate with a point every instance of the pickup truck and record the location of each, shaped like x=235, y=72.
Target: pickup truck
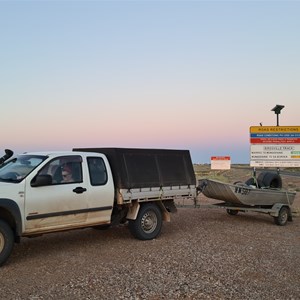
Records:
x=105, y=186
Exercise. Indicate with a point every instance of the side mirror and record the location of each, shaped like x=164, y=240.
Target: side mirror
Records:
x=41, y=180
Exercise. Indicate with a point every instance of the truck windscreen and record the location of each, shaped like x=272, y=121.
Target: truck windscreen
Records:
x=16, y=169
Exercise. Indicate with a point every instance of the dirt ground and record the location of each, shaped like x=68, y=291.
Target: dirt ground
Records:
x=202, y=253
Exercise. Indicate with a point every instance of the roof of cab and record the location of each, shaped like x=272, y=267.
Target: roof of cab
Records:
x=57, y=153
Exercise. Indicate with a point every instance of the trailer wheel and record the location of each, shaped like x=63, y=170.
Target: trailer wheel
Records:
x=232, y=212
x=6, y=241
x=283, y=216
x=148, y=223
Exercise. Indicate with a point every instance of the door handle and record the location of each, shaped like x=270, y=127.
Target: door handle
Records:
x=79, y=190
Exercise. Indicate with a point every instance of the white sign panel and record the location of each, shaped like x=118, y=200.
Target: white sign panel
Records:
x=275, y=155
x=220, y=162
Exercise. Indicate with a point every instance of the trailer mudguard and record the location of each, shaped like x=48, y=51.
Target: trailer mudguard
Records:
x=276, y=209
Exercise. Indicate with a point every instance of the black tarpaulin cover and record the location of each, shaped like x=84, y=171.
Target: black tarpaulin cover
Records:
x=138, y=168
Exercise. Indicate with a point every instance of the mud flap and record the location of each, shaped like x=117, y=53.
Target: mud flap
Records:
x=165, y=214
x=133, y=211
x=135, y=207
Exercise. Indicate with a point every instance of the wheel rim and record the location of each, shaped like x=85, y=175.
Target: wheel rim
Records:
x=283, y=217
x=2, y=242
x=149, y=222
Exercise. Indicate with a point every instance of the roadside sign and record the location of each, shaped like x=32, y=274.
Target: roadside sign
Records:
x=275, y=146
x=220, y=162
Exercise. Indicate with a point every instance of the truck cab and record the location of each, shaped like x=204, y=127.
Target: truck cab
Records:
x=34, y=185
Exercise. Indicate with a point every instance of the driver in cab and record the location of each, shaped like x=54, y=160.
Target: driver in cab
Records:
x=66, y=175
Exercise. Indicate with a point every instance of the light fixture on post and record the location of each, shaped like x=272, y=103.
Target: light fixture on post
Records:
x=277, y=110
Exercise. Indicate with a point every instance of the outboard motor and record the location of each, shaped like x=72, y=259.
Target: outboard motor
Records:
x=8, y=154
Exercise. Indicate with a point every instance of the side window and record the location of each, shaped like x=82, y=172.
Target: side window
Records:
x=97, y=170
x=64, y=169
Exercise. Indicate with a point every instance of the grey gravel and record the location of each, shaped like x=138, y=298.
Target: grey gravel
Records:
x=201, y=254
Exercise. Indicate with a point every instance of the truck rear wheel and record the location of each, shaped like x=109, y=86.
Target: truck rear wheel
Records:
x=148, y=223
x=6, y=241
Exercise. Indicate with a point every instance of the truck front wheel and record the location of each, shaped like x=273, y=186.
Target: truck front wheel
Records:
x=148, y=223
x=6, y=241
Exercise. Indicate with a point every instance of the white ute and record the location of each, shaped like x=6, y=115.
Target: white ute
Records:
x=105, y=186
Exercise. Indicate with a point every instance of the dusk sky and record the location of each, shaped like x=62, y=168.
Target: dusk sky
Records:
x=149, y=74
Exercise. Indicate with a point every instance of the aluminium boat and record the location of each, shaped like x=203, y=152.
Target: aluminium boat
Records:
x=241, y=194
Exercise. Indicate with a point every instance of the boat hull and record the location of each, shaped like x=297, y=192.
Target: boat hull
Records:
x=244, y=195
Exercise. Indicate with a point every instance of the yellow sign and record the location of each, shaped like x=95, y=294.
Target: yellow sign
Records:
x=274, y=129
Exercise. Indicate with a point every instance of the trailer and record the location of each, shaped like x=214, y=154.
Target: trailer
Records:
x=241, y=197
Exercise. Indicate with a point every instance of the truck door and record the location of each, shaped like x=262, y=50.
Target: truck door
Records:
x=61, y=204
x=101, y=190
x=80, y=194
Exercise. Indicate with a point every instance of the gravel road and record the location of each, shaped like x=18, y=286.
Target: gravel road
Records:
x=201, y=254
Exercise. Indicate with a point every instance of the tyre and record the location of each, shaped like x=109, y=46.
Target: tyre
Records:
x=283, y=216
x=269, y=180
x=6, y=241
x=148, y=223
x=232, y=212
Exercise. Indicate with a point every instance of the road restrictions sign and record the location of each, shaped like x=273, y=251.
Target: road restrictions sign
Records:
x=275, y=146
x=220, y=162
